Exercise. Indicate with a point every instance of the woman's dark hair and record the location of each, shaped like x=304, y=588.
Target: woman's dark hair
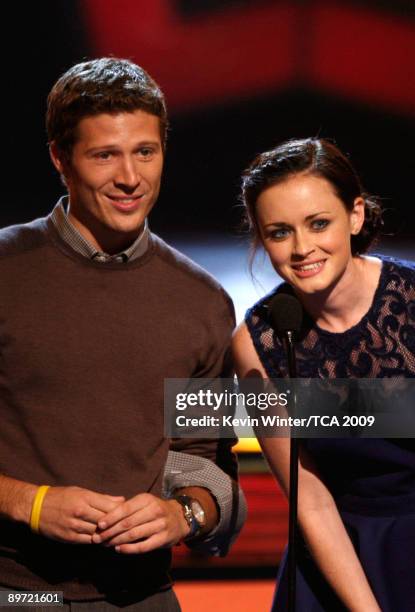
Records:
x=316, y=157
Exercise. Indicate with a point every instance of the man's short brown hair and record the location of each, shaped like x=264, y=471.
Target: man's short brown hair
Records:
x=105, y=85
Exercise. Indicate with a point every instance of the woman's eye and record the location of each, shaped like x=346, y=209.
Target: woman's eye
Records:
x=280, y=234
x=320, y=224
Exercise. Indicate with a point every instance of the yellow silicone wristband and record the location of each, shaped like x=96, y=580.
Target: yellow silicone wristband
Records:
x=37, y=507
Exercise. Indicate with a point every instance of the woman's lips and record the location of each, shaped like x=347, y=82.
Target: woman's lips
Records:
x=306, y=270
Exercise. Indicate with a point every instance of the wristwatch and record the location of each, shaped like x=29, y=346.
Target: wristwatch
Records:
x=193, y=513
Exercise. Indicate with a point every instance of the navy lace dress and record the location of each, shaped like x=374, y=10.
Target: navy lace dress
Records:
x=372, y=480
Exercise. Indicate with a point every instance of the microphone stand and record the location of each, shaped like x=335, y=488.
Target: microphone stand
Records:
x=293, y=496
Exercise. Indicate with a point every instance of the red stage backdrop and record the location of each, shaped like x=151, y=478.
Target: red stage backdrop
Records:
x=359, y=53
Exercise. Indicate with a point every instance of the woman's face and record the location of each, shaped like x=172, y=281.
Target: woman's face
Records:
x=306, y=230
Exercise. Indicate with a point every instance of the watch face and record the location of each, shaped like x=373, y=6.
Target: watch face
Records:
x=198, y=512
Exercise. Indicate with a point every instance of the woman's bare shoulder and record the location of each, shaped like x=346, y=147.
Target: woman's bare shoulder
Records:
x=247, y=361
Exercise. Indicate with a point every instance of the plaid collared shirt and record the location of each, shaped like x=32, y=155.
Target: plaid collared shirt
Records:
x=74, y=238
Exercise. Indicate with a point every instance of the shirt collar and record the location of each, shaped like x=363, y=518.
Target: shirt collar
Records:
x=74, y=238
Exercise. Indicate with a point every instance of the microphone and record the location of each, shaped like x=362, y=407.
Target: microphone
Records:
x=285, y=313
x=286, y=316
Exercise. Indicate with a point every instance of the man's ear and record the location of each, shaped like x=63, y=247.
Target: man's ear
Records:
x=59, y=161
x=57, y=158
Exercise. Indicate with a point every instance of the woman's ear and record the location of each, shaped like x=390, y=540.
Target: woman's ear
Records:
x=357, y=215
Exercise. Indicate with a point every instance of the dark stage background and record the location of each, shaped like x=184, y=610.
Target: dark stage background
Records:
x=239, y=77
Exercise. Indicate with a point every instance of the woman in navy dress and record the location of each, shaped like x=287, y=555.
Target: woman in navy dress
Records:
x=307, y=208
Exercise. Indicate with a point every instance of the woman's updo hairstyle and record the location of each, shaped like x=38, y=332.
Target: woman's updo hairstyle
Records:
x=316, y=157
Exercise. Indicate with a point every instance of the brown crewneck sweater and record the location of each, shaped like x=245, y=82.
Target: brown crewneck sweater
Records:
x=84, y=350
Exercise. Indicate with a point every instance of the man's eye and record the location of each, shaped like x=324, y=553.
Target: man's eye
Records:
x=146, y=152
x=103, y=155
x=320, y=224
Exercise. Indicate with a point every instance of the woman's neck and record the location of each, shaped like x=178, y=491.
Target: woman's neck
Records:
x=347, y=302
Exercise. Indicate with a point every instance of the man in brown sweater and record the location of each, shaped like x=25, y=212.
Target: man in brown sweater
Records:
x=96, y=312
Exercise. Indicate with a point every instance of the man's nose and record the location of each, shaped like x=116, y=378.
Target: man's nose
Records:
x=128, y=175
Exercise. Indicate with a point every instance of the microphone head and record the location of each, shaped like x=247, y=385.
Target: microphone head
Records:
x=285, y=313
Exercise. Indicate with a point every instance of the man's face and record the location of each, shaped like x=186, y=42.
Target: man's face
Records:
x=113, y=176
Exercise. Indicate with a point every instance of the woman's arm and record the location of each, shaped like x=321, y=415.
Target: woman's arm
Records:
x=319, y=519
